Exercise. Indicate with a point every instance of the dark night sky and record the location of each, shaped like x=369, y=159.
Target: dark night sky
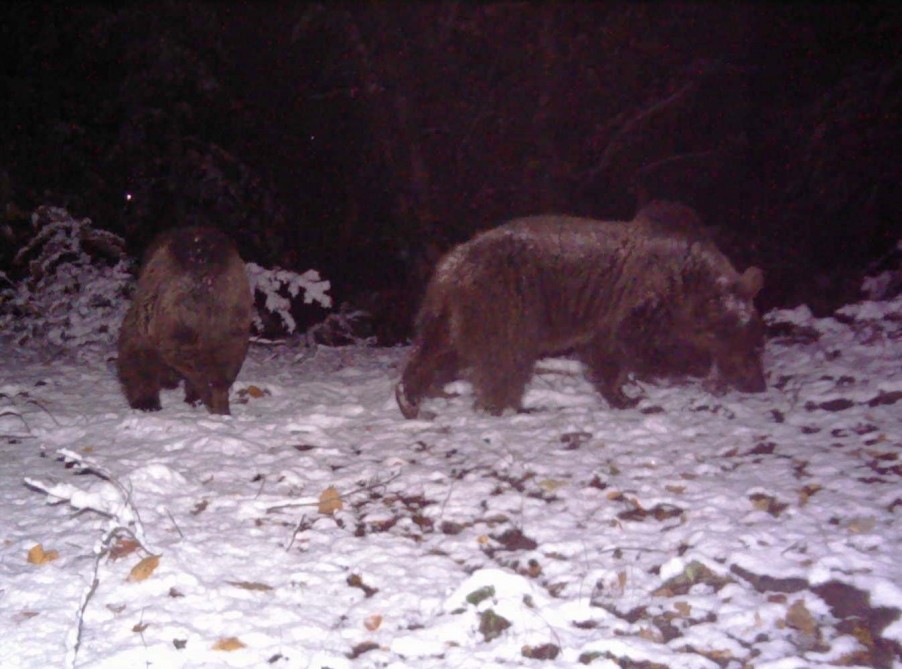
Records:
x=365, y=138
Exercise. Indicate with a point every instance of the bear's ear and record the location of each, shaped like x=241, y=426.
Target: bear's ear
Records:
x=750, y=283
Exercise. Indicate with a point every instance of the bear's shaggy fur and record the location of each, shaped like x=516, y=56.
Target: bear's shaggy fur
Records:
x=653, y=297
x=190, y=319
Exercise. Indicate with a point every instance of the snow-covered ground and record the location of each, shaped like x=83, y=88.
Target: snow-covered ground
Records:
x=315, y=527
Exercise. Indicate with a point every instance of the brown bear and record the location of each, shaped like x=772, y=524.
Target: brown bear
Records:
x=652, y=297
x=190, y=319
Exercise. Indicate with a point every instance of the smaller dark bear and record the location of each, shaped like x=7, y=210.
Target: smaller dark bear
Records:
x=190, y=319
x=652, y=297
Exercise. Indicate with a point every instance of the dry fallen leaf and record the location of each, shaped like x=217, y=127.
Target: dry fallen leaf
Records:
x=372, y=622
x=123, y=547
x=550, y=485
x=652, y=634
x=143, y=569
x=255, y=392
x=330, y=501
x=229, y=644
x=807, y=493
x=768, y=503
x=683, y=608
x=37, y=555
x=861, y=524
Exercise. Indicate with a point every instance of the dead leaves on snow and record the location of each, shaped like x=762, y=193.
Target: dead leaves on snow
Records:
x=356, y=581
x=250, y=392
x=805, y=626
x=330, y=501
x=144, y=569
x=545, y=651
x=768, y=503
x=37, y=555
x=492, y=625
x=229, y=644
x=123, y=547
x=693, y=574
x=638, y=513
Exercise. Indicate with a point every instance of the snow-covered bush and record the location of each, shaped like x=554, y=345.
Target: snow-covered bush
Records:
x=281, y=288
x=346, y=326
x=77, y=279
x=74, y=289
x=883, y=279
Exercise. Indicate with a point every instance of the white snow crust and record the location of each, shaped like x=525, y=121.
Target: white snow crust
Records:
x=693, y=531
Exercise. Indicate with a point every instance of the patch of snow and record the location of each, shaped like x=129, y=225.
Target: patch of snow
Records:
x=692, y=531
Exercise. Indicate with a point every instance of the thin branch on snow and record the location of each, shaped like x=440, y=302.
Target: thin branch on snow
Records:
x=40, y=405
x=300, y=526
x=11, y=435
x=101, y=548
x=12, y=394
x=125, y=514
x=124, y=519
x=175, y=524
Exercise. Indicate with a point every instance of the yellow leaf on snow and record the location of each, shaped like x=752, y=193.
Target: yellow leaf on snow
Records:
x=550, y=485
x=621, y=580
x=807, y=493
x=37, y=555
x=255, y=392
x=861, y=524
x=330, y=501
x=143, y=569
x=683, y=608
x=372, y=622
x=229, y=644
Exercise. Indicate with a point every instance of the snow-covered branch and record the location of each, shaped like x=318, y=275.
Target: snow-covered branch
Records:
x=76, y=283
x=280, y=287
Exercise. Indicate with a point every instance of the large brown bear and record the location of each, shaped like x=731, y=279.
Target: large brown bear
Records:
x=652, y=297
x=190, y=319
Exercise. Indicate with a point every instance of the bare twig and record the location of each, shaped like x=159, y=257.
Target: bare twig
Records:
x=123, y=520
x=175, y=524
x=299, y=526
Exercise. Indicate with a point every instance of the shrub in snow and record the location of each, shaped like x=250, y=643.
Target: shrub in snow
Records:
x=349, y=325
x=77, y=281
x=883, y=279
x=280, y=290
x=74, y=289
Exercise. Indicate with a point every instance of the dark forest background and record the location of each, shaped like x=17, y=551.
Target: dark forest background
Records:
x=363, y=139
